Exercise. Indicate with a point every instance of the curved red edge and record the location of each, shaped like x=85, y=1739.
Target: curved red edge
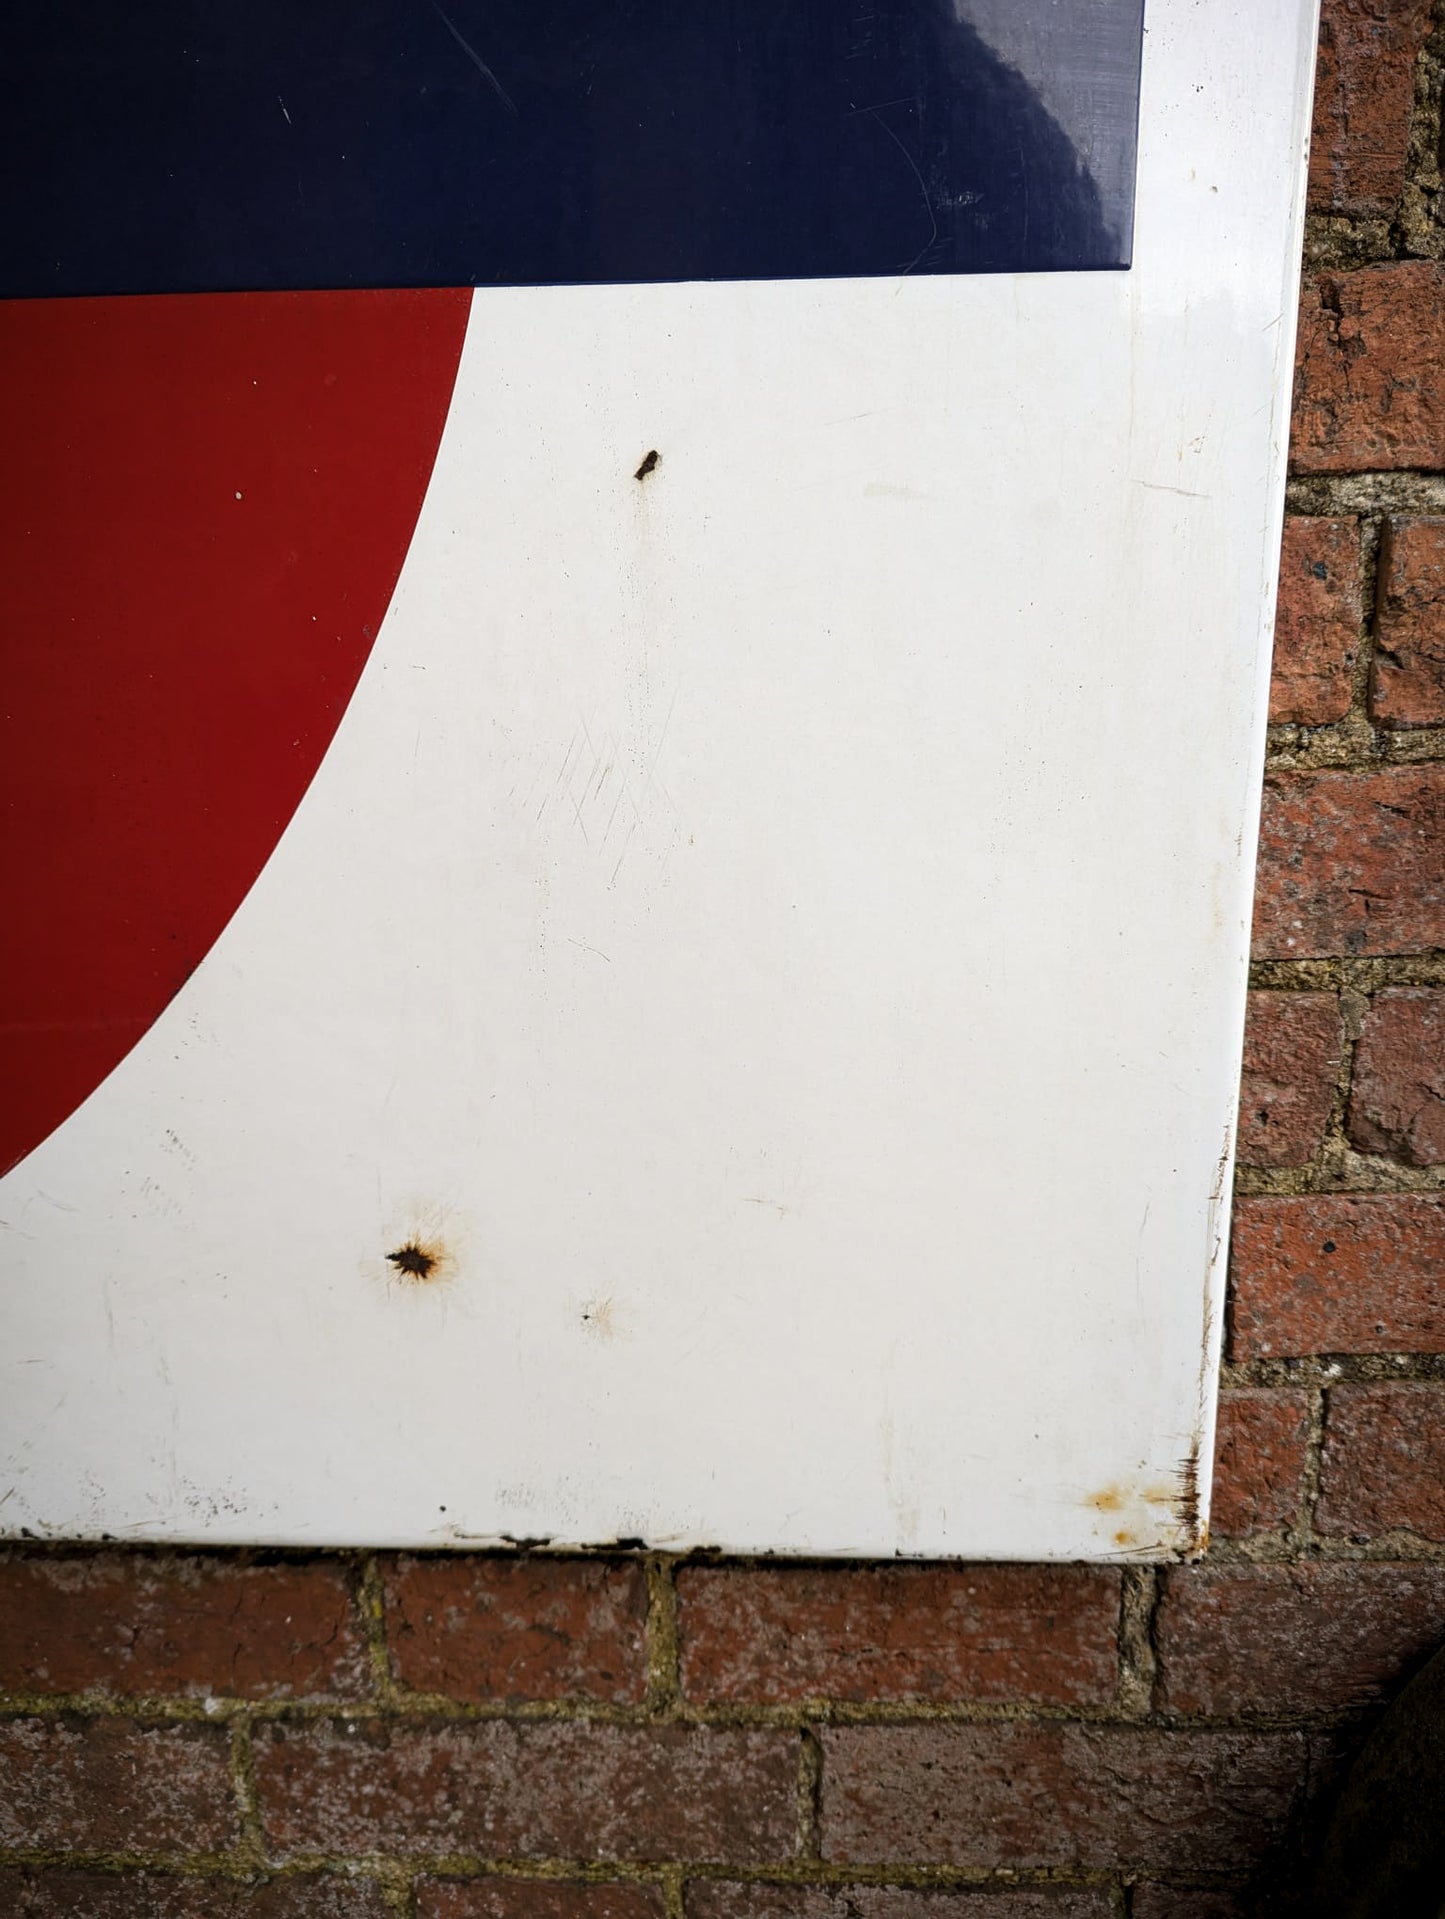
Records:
x=204, y=508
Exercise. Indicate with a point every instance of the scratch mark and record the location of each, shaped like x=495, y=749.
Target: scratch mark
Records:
x=478, y=62
x=567, y=761
x=581, y=823
x=777, y=1206
x=596, y=756
x=1157, y=486
x=1139, y=1255
x=872, y=113
x=606, y=831
x=885, y=490
x=623, y=854
x=661, y=741
x=282, y=104
x=583, y=947
x=882, y=106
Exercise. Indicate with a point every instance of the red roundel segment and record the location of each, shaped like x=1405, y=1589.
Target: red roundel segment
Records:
x=204, y=505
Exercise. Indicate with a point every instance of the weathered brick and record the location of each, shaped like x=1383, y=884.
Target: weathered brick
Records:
x=139, y=1624
x=147, y=1895
x=1259, y=1460
x=1317, y=621
x=1189, y=1902
x=1339, y=1273
x=534, y=1899
x=1351, y=863
x=1035, y=1796
x=1301, y=1638
x=105, y=1784
x=1384, y=1461
x=489, y=1628
x=1367, y=388
x=571, y=1790
x=1407, y=677
x=995, y=1632
x=718, y=1899
x=1364, y=92
x=1397, y=1098
x=1293, y=1043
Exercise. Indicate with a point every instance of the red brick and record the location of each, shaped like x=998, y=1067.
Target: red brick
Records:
x=1259, y=1461
x=1317, y=622
x=1367, y=386
x=1339, y=1273
x=1301, y=1638
x=129, y=1895
x=568, y=1790
x=1034, y=1796
x=534, y=1899
x=1351, y=863
x=1176, y=1902
x=717, y=1899
x=1384, y=1461
x=481, y=1629
x=137, y=1624
x=109, y=1784
x=1364, y=92
x=1293, y=1043
x=1397, y=1099
x=1407, y=683
x=782, y=1633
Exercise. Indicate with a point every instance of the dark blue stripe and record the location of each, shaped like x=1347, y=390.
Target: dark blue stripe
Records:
x=170, y=145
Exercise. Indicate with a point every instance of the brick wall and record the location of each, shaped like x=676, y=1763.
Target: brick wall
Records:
x=531, y=1738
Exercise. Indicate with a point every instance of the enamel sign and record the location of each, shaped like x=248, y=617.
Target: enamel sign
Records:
x=635, y=680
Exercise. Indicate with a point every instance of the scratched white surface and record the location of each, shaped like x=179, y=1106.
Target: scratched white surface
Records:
x=780, y=925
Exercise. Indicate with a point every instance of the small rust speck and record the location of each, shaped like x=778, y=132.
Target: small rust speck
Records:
x=649, y=461
x=413, y=1261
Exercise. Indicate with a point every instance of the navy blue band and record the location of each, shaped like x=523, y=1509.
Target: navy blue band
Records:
x=187, y=145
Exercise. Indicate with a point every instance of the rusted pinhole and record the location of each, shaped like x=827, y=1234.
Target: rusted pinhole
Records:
x=413, y=1261
x=649, y=461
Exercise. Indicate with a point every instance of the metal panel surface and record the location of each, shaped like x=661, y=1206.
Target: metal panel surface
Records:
x=737, y=1044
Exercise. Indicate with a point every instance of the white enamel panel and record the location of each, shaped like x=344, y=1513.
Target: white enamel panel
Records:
x=780, y=925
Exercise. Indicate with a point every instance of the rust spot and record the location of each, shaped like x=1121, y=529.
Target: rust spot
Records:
x=600, y=1318
x=1110, y=1500
x=421, y=1248
x=649, y=462
x=415, y=1261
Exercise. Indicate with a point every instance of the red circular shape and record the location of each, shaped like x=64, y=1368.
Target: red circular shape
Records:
x=205, y=504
